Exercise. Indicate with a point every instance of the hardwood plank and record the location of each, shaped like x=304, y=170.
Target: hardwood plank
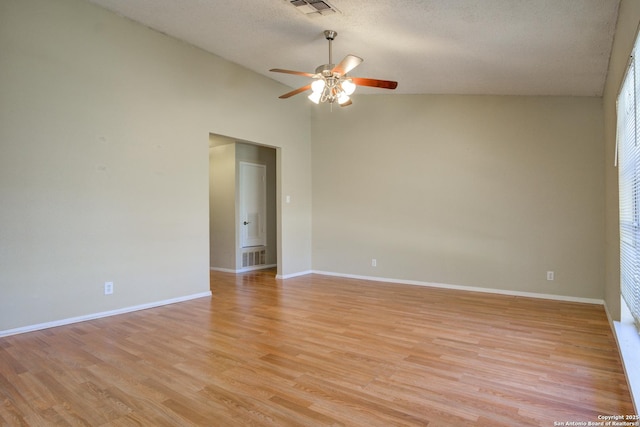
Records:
x=319, y=350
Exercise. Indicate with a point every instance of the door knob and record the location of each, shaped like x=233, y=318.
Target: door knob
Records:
x=246, y=222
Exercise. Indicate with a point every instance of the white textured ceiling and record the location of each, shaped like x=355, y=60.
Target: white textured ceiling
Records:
x=508, y=47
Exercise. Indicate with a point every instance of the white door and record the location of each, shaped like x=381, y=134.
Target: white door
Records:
x=253, y=205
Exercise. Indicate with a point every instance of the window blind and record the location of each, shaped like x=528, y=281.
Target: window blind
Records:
x=629, y=188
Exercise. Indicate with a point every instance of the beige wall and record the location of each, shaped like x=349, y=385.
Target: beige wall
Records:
x=481, y=191
x=628, y=19
x=104, y=128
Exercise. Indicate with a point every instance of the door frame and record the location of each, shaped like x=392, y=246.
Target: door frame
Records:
x=274, y=189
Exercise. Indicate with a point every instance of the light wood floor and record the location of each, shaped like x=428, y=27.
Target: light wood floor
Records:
x=317, y=350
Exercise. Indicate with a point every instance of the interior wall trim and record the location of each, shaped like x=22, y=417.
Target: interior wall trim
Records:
x=245, y=269
x=292, y=275
x=467, y=288
x=102, y=314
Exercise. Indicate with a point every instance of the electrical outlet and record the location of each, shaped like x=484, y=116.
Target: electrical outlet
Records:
x=374, y=262
x=550, y=275
x=108, y=288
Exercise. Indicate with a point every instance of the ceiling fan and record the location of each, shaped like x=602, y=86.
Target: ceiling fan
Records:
x=331, y=83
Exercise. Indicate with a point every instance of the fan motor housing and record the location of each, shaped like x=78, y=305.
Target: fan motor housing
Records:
x=325, y=70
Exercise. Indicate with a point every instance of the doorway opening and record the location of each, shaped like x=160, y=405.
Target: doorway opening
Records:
x=243, y=226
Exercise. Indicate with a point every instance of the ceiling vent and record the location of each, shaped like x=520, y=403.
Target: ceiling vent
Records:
x=314, y=8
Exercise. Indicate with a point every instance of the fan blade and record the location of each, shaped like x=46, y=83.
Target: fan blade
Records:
x=347, y=64
x=295, y=92
x=384, y=84
x=346, y=104
x=297, y=73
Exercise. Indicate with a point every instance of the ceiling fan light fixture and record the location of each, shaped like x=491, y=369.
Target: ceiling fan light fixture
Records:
x=348, y=86
x=330, y=82
x=318, y=85
x=342, y=97
x=315, y=97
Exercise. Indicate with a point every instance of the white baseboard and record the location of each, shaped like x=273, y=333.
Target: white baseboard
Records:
x=465, y=288
x=243, y=270
x=93, y=316
x=289, y=276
